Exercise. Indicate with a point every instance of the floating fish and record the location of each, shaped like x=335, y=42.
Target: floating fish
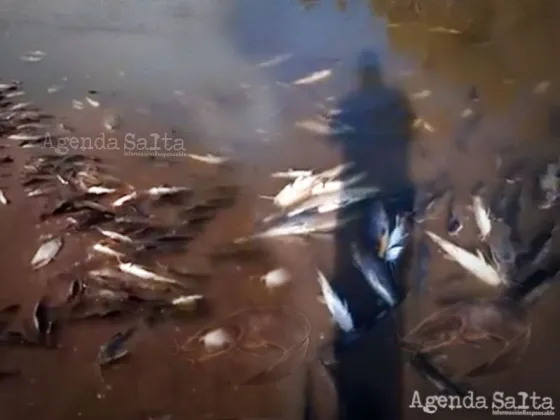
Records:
x=421, y=95
x=77, y=105
x=42, y=320
x=111, y=122
x=114, y=350
x=99, y=190
x=476, y=264
x=313, y=77
x=19, y=106
x=14, y=94
x=33, y=56
x=482, y=217
x=46, y=253
x=276, y=278
x=337, y=307
x=377, y=274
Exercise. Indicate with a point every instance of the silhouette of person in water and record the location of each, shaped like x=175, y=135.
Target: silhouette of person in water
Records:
x=368, y=368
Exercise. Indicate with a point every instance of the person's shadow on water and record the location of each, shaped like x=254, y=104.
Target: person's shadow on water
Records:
x=369, y=369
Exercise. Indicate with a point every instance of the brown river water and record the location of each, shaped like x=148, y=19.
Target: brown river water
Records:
x=217, y=77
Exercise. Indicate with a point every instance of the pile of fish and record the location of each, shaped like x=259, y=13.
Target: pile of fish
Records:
x=516, y=273
x=124, y=231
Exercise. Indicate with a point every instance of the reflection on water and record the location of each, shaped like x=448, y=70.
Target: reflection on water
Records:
x=442, y=73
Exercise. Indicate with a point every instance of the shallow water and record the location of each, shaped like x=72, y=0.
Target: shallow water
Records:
x=217, y=76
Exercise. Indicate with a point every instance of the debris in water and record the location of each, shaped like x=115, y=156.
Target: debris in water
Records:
x=313, y=77
x=46, y=253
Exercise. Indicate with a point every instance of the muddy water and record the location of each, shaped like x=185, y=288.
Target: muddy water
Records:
x=217, y=76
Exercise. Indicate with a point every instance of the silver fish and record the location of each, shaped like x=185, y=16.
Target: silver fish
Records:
x=145, y=274
x=3, y=199
x=115, y=236
x=333, y=201
x=46, y=253
x=27, y=137
x=397, y=240
x=476, y=264
x=92, y=102
x=377, y=274
x=19, y=106
x=313, y=77
x=337, y=307
x=14, y=94
x=482, y=217
x=292, y=174
x=165, y=190
x=208, y=158
x=303, y=224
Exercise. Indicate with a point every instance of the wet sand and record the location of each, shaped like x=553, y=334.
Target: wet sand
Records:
x=193, y=67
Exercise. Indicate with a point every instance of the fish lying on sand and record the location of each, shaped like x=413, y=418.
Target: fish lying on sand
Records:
x=145, y=274
x=46, y=253
x=337, y=307
x=476, y=264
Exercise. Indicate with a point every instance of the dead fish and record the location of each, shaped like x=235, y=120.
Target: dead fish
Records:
x=164, y=190
x=3, y=199
x=313, y=77
x=338, y=308
x=216, y=339
x=432, y=374
x=443, y=30
x=77, y=105
x=19, y=106
x=42, y=319
x=32, y=58
x=302, y=224
x=397, y=241
x=32, y=126
x=46, y=253
x=92, y=102
x=208, y=158
x=99, y=190
x=189, y=302
x=482, y=217
x=377, y=274
x=124, y=199
x=27, y=137
x=477, y=265
x=323, y=129
x=115, y=236
x=5, y=87
x=279, y=59
x=292, y=174
x=114, y=350
x=276, y=278
x=454, y=225
x=105, y=250
x=421, y=123
x=145, y=274
x=14, y=94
